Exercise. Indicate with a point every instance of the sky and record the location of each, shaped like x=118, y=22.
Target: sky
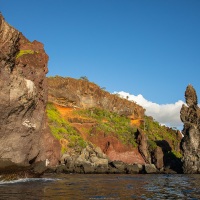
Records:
x=146, y=49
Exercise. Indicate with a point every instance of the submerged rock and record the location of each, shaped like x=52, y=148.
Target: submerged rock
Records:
x=10, y=171
x=190, y=116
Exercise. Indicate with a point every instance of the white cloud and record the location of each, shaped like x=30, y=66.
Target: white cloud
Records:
x=165, y=114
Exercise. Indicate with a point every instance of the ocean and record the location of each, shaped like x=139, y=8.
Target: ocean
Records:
x=103, y=186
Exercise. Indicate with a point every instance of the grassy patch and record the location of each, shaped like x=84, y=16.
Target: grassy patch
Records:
x=24, y=52
x=110, y=122
x=155, y=132
x=152, y=145
x=61, y=129
x=177, y=154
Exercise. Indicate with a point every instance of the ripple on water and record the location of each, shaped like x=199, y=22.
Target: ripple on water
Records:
x=26, y=180
x=115, y=186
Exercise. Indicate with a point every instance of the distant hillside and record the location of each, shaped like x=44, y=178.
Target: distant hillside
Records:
x=81, y=113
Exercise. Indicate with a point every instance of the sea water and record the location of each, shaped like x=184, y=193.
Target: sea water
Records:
x=103, y=186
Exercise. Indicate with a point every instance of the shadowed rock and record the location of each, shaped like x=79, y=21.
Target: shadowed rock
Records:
x=142, y=145
x=190, y=116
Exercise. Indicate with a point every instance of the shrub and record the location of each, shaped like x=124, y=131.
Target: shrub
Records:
x=152, y=145
x=85, y=78
x=23, y=52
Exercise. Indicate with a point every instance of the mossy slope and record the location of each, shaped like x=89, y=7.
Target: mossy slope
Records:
x=111, y=124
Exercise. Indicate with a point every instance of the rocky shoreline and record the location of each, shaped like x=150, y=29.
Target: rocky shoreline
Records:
x=91, y=160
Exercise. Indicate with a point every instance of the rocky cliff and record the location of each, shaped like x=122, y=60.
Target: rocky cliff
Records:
x=71, y=92
x=190, y=116
x=81, y=113
x=24, y=136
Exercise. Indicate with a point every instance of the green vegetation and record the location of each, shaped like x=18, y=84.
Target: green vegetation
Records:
x=61, y=129
x=176, y=154
x=85, y=78
x=110, y=122
x=152, y=145
x=157, y=133
x=23, y=52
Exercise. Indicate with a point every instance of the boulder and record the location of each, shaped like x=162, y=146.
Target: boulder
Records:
x=119, y=165
x=101, y=170
x=65, y=159
x=88, y=168
x=99, y=161
x=150, y=169
x=100, y=153
x=40, y=167
x=132, y=169
x=81, y=160
x=157, y=157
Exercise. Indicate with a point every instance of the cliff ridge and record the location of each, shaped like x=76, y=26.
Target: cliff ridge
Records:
x=24, y=135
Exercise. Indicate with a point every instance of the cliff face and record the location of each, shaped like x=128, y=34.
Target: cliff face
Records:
x=24, y=137
x=97, y=117
x=69, y=92
x=190, y=116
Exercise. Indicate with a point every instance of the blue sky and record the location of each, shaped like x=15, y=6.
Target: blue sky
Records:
x=147, y=47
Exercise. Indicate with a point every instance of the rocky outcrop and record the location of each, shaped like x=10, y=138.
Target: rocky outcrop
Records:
x=92, y=160
x=158, y=157
x=190, y=116
x=143, y=146
x=114, y=148
x=69, y=92
x=24, y=136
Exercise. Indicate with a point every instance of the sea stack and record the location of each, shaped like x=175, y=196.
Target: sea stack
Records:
x=190, y=144
x=24, y=135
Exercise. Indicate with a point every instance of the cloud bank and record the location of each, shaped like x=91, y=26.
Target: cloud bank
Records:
x=165, y=114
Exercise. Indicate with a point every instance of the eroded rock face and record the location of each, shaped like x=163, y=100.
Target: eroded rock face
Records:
x=24, y=137
x=69, y=92
x=143, y=146
x=190, y=116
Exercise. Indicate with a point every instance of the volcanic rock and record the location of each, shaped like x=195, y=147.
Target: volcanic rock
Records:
x=24, y=136
x=69, y=92
x=143, y=146
x=190, y=116
x=150, y=169
x=157, y=157
x=133, y=169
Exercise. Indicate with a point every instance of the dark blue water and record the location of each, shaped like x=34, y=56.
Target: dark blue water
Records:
x=80, y=186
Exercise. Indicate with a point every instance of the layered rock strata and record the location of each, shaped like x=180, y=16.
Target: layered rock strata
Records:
x=69, y=92
x=190, y=116
x=24, y=136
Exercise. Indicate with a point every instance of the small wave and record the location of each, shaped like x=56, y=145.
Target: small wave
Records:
x=25, y=180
